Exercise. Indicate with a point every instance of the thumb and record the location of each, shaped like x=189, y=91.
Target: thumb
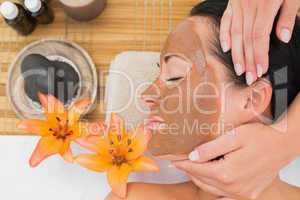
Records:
x=216, y=148
x=287, y=20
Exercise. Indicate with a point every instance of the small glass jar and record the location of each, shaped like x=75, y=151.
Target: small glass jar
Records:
x=83, y=10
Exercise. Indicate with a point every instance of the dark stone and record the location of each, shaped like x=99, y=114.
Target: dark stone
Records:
x=67, y=81
x=49, y=77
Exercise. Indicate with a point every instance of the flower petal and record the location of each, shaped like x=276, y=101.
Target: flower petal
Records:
x=88, y=142
x=94, y=128
x=116, y=130
x=68, y=156
x=66, y=152
x=94, y=162
x=117, y=177
x=78, y=109
x=53, y=108
x=140, y=139
x=85, y=130
x=35, y=126
x=97, y=144
x=47, y=146
x=76, y=131
x=144, y=164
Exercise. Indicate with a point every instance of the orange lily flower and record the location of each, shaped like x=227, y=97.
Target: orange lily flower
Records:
x=118, y=153
x=60, y=128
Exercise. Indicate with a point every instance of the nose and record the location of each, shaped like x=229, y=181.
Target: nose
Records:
x=149, y=101
x=151, y=95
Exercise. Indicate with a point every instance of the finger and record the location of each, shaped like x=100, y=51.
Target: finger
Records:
x=249, y=7
x=266, y=13
x=223, y=145
x=207, y=188
x=286, y=20
x=209, y=170
x=225, y=29
x=237, y=38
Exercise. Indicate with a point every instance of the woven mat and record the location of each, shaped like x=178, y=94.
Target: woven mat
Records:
x=139, y=25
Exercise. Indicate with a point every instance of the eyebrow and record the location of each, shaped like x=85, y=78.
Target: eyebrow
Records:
x=170, y=55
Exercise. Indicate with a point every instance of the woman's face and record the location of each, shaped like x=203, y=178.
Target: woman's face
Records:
x=185, y=100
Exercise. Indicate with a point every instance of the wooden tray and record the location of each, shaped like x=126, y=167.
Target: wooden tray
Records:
x=137, y=25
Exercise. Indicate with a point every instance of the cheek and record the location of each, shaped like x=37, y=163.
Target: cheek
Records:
x=192, y=112
x=233, y=106
x=206, y=107
x=193, y=92
x=172, y=102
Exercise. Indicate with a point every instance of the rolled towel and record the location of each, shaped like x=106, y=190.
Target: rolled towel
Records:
x=130, y=74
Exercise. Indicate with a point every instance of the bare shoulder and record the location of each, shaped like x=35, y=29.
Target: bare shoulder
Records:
x=142, y=191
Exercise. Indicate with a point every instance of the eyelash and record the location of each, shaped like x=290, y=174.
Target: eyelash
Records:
x=175, y=79
x=171, y=79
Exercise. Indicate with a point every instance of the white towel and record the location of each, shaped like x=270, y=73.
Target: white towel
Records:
x=129, y=71
x=53, y=179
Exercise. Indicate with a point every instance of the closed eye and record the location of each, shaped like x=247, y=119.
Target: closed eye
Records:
x=175, y=78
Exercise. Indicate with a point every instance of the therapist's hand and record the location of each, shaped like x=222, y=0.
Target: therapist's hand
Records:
x=245, y=28
x=253, y=156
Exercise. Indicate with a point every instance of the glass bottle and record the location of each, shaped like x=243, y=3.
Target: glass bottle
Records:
x=17, y=17
x=40, y=11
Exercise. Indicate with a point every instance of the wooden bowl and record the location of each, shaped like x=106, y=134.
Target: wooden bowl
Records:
x=53, y=49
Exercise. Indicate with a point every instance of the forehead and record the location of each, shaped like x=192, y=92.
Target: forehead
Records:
x=190, y=38
x=195, y=38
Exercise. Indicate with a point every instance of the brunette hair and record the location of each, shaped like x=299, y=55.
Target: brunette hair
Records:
x=284, y=59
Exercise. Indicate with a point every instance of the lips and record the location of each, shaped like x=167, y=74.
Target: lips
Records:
x=155, y=123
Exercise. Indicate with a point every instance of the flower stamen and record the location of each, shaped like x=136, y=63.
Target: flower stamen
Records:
x=119, y=160
x=119, y=138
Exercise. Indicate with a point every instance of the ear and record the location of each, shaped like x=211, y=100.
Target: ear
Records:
x=258, y=98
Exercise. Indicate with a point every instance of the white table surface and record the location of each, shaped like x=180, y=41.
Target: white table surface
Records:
x=53, y=179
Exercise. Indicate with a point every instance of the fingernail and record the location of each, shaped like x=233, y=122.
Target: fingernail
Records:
x=224, y=46
x=249, y=78
x=259, y=70
x=285, y=35
x=194, y=156
x=238, y=69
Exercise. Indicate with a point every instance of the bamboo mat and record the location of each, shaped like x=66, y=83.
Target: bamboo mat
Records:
x=138, y=25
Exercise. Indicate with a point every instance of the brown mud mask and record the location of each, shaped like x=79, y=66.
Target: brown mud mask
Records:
x=191, y=110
